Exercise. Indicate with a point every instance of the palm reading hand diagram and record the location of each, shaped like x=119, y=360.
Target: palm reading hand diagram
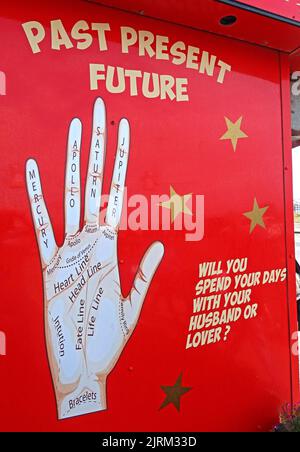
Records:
x=87, y=319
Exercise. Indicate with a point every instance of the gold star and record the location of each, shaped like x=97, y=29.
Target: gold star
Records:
x=234, y=132
x=177, y=204
x=174, y=393
x=256, y=215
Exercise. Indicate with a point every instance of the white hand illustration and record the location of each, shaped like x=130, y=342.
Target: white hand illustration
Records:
x=87, y=319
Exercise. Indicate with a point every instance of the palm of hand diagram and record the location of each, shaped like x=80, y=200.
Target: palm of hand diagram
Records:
x=87, y=319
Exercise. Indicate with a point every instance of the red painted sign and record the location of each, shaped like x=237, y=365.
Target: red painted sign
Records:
x=145, y=268
x=285, y=8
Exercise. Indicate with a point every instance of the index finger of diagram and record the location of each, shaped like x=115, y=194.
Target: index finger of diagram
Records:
x=116, y=196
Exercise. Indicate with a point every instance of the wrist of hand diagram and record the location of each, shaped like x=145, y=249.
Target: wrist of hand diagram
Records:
x=87, y=319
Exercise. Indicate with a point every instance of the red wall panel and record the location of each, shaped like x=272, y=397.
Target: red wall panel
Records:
x=237, y=383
